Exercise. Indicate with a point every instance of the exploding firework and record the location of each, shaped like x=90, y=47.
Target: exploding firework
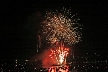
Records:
x=61, y=26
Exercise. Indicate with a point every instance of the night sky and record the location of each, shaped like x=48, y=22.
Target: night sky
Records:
x=18, y=32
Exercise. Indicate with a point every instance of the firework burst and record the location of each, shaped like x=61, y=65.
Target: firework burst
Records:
x=61, y=26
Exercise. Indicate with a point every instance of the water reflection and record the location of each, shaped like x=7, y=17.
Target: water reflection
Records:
x=59, y=69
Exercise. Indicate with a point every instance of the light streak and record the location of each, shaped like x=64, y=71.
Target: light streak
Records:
x=60, y=53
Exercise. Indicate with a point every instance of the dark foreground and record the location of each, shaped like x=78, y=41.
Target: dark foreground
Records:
x=36, y=66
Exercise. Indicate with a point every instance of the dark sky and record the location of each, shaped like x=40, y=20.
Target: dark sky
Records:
x=18, y=37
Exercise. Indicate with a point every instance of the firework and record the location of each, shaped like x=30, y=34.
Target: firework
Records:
x=61, y=26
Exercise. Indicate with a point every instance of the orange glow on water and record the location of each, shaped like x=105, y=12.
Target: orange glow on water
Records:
x=58, y=69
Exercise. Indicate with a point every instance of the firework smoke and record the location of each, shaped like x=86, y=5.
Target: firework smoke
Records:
x=47, y=61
